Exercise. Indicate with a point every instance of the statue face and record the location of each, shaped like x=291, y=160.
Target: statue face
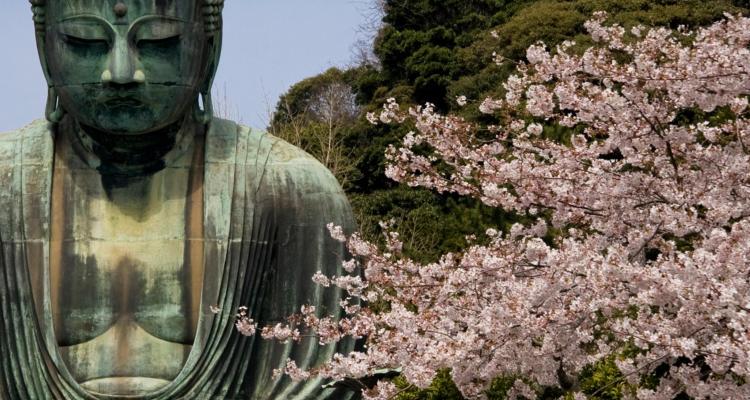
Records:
x=126, y=66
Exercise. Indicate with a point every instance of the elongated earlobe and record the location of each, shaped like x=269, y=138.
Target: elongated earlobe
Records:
x=53, y=111
x=206, y=114
x=212, y=15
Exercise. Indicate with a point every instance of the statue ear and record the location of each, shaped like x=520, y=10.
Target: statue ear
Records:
x=53, y=111
x=212, y=10
x=205, y=114
x=39, y=9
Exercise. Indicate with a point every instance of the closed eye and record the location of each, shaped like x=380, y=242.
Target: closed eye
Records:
x=165, y=42
x=156, y=32
x=80, y=41
x=85, y=30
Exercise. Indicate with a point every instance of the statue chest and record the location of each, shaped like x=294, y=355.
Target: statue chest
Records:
x=126, y=282
x=118, y=271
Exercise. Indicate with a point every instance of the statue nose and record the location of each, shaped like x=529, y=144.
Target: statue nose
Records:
x=122, y=66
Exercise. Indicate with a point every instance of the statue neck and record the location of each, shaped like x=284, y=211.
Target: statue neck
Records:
x=132, y=155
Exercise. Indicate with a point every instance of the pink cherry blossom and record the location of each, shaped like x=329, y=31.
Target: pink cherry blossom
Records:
x=651, y=213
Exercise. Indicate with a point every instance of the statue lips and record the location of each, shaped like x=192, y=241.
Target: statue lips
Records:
x=128, y=99
x=128, y=102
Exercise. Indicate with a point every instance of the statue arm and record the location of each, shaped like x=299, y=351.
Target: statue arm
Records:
x=304, y=197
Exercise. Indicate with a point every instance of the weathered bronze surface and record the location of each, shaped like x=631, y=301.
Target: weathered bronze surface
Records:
x=130, y=212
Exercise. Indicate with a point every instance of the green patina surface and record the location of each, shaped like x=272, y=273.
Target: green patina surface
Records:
x=130, y=213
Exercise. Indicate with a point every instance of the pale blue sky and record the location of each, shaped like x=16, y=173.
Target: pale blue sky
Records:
x=268, y=46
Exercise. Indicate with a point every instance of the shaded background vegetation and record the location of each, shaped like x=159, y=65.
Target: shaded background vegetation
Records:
x=433, y=51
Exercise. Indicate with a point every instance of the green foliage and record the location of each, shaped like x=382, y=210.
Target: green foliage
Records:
x=554, y=21
x=600, y=381
x=318, y=115
x=301, y=97
x=603, y=380
x=419, y=42
x=429, y=224
x=442, y=388
x=500, y=387
x=433, y=52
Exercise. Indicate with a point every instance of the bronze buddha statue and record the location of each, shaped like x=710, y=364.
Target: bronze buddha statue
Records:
x=131, y=212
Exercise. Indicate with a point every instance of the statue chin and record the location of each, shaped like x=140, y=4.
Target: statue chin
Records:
x=128, y=112
x=136, y=127
x=125, y=121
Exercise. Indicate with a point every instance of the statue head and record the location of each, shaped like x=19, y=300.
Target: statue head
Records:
x=128, y=67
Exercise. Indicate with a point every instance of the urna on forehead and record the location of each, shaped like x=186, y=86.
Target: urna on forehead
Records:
x=189, y=10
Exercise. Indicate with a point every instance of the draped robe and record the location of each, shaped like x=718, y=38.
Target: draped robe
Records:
x=266, y=205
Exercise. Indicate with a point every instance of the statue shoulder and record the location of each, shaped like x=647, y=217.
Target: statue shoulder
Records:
x=283, y=160
x=31, y=145
x=292, y=180
x=26, y=156
x=33, y=138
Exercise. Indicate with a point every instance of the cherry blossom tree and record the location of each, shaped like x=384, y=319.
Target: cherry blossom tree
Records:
x=638, y=240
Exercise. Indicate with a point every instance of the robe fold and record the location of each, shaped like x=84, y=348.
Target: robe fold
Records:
x=266, y=206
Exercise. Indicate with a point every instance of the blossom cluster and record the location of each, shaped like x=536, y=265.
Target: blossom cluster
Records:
x=640, y=237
